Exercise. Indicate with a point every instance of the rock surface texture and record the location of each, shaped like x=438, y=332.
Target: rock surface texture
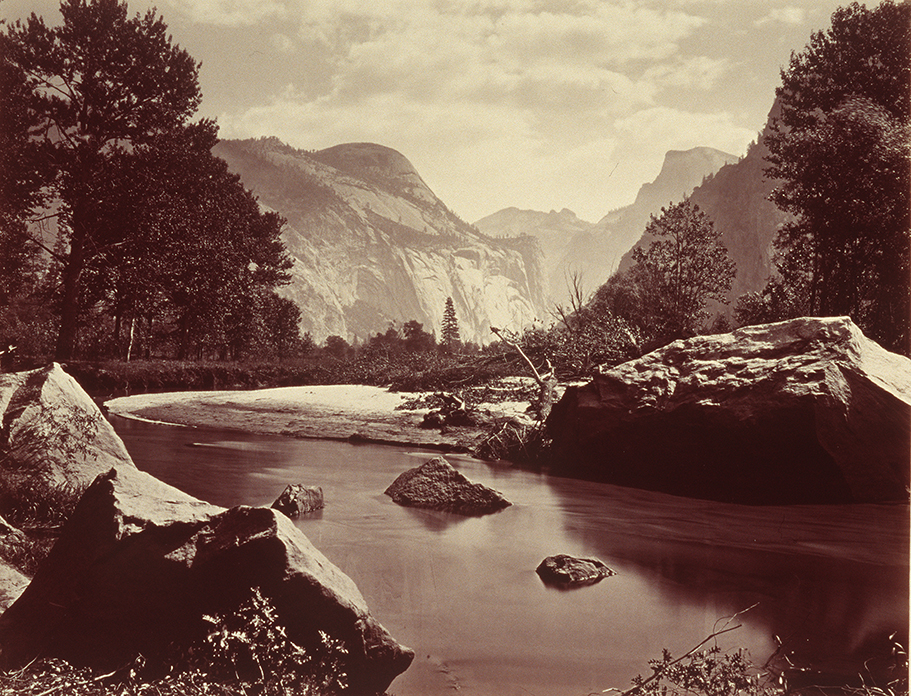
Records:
x=803, y=411
x=139, y=563
x=568, y=571
x=437, y=485
x=298, y=499
x=52, y=431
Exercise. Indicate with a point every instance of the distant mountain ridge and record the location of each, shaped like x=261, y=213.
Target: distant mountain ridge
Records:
x=593, y=252
x=373, y=245
x=736, y=200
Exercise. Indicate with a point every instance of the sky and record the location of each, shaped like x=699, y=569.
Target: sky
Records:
x=536, y=104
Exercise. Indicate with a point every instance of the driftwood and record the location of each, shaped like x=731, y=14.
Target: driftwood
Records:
x=547, y=381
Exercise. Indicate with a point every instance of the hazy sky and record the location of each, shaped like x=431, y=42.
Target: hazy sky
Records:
x=539, y=104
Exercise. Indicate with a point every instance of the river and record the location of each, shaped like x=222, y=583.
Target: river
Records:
x=831, y=581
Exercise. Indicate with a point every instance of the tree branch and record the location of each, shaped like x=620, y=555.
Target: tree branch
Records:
x=727, y=628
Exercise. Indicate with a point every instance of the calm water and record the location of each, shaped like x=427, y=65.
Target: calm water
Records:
x=831, y=581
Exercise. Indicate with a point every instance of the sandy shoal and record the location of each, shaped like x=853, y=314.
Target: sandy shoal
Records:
x=357, y=412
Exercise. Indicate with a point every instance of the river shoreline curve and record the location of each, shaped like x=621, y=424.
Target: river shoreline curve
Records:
x=350, y=412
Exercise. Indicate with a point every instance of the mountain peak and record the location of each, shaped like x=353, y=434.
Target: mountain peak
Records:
x=378, y=164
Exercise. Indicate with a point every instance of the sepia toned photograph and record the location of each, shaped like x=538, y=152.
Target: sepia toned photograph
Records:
x=431, y=347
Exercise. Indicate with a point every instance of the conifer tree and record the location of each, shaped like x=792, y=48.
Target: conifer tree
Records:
x=450, y=333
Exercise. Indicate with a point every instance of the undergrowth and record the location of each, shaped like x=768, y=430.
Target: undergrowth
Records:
x=243, y=653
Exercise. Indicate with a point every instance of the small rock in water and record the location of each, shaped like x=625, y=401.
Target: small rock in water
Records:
x=298, y=499
x=569, y=571
x=437, y=485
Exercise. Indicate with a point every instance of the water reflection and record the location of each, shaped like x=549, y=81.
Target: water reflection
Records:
x=464, y=594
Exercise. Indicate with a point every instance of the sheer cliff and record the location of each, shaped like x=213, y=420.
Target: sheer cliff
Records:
x=372, y=244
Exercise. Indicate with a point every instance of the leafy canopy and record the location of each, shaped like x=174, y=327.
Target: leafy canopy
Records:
x=841, y=148
x=684, y=267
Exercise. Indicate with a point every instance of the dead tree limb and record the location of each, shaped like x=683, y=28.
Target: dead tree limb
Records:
x=547, y=381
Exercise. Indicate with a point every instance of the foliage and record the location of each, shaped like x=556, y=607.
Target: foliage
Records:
x=185, y=244
x=449, y=335
x=98, y=83
x=684, y=267
x=244, y=653
x=520, y=443
x=841, y=149
x=711, y=672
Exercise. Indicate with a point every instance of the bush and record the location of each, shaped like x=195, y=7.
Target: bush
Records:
x=244, y=653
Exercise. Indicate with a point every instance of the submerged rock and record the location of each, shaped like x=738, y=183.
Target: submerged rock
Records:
x=437, y=485
x=140, y=562
x=568, y=571
x=802, y=411
x=298, y=499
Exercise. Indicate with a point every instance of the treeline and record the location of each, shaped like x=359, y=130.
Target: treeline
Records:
x=121, y=235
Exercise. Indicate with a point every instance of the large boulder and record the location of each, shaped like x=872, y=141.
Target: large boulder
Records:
x=802, y=411
x=53, y=434
x=12, y=584
x=140, y=562
x=438, y=485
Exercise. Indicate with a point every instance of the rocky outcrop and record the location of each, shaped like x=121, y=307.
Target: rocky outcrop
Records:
x=53, y=432
x=373, y=245
x=802, y=411
x=298, y=499
x=12, y=584
x=568, y=571
x=140, y=562
x=437, y=485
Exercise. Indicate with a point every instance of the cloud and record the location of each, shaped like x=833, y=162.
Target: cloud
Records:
x=676, y=129
x=231, y=13
x=790, y=15
x=694, y=72
x=513, y=98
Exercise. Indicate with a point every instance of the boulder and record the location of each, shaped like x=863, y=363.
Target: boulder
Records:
x=12, y=584
x=802, y=411
x=140, y=562
x=53, y=433
x=298, y=499
x=568, y=571
x=437, y=485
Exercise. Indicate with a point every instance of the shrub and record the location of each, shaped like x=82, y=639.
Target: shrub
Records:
x=244, y=653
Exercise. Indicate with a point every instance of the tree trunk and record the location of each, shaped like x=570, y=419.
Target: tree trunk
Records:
x=69, y=311
x=132, y=335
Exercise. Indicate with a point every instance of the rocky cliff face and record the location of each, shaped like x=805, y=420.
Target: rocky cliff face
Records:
x=593, y=251
x=372, y=244
x=554, y=232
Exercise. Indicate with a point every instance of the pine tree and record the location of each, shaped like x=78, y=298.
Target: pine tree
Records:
x=450, y=333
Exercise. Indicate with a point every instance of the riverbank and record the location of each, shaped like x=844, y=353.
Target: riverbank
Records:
x=330, y=412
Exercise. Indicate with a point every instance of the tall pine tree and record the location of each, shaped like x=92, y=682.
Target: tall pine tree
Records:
x=449, y=336
x=99, y=83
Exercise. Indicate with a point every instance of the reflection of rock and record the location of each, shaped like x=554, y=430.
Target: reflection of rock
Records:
x=140, y=562
x=439, y=486
x=569, y=571
x=297, y=500
x=807, y=410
